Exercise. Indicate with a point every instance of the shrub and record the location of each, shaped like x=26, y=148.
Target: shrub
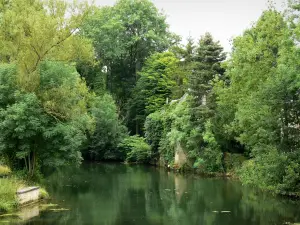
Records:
x=44, y=194
x=136, y=149
x=154, y=127
x=4, y=170
x=108, y=131
x=266, y=170
x=233, y=161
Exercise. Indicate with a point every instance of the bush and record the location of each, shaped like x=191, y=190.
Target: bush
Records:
x=154, y=130
x=136, y=149
x=44, y=194
x=266, y=170
x=47, y=127
x=176, y=129
x=4, y=170
x=233, y=161
x=108, y=131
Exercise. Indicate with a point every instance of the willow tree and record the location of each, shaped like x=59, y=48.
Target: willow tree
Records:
x=32, y=31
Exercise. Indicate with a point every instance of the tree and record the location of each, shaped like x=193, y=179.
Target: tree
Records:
x=207, y=67
x=32, y=31
x=124, y=35
x=253, y=62
x=109, y=132
x=154, y=88
x=46, y=128
x=262, y=98
x=44, y=113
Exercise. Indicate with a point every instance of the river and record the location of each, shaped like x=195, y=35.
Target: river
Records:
x=116, y=194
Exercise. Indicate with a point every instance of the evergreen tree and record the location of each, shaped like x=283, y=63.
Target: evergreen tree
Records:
x=207, y=66
x=189, y=51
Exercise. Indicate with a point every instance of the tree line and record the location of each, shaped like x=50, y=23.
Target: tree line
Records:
x=79, y=81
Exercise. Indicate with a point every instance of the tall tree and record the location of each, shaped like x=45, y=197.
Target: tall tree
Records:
x=124, y=35
x=32, y=31
x=154, y=88
x=44, y=113
x=46, y=128
x=261, y=102
x=207, y=66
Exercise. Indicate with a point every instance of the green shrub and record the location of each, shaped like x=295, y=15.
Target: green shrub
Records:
x=233, y=161
x=108, y=131
x=154, y=130
x=44, y=194
x=266, y=170
x=4, y=170
x=136, y=149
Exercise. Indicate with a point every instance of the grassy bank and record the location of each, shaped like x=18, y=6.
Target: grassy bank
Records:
x=8, y=188
x=9, y=184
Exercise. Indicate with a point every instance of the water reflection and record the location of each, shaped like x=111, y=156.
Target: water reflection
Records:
x=111, y=194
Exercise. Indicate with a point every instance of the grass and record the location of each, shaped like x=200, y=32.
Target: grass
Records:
x=44, y=194
x=4, y=170
x=8, y=198
x=9, y=184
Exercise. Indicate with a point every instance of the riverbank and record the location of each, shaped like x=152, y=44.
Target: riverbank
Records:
x=116, y=193
x=233, y=174
x=9, y=185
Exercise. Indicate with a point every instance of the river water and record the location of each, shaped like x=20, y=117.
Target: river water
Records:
x=115, y=194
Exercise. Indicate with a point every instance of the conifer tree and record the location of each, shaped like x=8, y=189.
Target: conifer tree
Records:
x=208, y=57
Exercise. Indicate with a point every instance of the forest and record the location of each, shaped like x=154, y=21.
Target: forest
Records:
x=114, y=83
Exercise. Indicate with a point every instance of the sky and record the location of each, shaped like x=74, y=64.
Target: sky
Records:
x=224, y=19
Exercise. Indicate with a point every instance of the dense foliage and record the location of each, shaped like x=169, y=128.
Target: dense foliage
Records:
x=108, y=133
x=46, y=127
x=135, y=149
x=76, y=80
x=124, y=35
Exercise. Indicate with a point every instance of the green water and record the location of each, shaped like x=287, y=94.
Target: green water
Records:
x=113, y=194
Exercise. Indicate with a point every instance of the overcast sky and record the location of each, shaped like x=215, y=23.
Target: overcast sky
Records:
x=223, y=18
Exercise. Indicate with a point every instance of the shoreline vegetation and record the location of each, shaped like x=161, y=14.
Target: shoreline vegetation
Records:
x=9, y=185
x=84, y=82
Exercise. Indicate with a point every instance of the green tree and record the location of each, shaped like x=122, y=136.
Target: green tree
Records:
x=154, y=88
x=32, y=31
x=109, y=132
x=262, y=98
x=207, y=66
x=124, y=35
x=46, y=128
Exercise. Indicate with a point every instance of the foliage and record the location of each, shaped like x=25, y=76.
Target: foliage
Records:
x=211, y=156
x=32, y=31
x=43, y=194
x=154, y=87
x=59, y=60
x=8, y=189
x=136, y=149
x=207, y=66
x=46, y=128
x=4, y=170
x=108, y=133
x=262, y=103
x=174, y=125
x=94, y=76
x=154, y=130
x=44, y=103
x=124, y=35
